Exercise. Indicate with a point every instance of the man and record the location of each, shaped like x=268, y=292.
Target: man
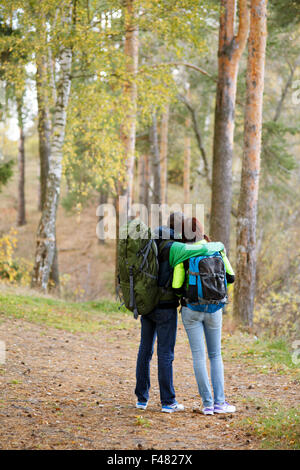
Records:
x=160, y=323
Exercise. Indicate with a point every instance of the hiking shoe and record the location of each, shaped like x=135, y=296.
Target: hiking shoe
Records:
x=225, y=408
x=141, y=405
x=171, y=408
x=208, y=410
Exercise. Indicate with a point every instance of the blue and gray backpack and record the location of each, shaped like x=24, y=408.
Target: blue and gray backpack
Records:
x=207, y=289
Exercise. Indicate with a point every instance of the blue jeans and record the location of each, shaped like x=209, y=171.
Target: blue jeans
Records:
x=160, y=323
x=198, y=325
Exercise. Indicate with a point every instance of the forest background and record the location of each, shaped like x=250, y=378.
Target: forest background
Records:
x=85, y=80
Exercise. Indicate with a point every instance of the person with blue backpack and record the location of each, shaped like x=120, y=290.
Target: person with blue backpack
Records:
x=204, y=280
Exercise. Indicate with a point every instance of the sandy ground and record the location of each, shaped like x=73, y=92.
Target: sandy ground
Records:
x=75, y=391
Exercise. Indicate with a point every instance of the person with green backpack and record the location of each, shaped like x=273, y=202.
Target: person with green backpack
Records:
x=160, y=323
x=145, y=279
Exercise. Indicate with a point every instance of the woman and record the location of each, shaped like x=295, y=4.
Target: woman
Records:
x=209, y=325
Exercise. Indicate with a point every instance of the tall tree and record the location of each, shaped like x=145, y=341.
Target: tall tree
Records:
x=12, y=72
x=46, y=233
x=128, y=130
x=103, y=199
x=230, y=50
x=187, y=155
x=244, y=290
x=44, y=125
x=128, y=134
x=144, y=179
x=155, y=156
x=21, y=214
x=164, y=153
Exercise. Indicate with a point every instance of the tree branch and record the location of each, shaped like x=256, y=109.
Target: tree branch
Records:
x=244, y=23
x=181, y=64
x=198, y=136
x=286, y=89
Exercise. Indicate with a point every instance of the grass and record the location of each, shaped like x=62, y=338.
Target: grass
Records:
x=74, y=317
x=278, y=428
x=264, y=354
x=142, y=421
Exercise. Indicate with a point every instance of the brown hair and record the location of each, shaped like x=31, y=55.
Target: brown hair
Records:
x=193, y=231
x=175, y=222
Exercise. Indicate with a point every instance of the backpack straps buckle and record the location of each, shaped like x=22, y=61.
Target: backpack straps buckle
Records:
x=132, y=303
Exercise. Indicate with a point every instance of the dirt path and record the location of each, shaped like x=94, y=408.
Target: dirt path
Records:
x=75, y=391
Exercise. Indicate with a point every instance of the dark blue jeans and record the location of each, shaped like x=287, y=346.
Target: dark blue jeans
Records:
x=160, y=323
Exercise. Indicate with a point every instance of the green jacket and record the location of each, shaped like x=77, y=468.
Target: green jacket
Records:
x=183, y=251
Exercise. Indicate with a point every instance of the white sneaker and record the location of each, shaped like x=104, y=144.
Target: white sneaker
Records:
x=171, y=408
x=208, y=410
x=225, y=408
x=140, y=405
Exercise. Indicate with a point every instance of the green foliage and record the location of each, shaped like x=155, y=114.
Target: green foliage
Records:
x=93, y=154
x=142, y=421
x=277, y=162
x=285, y=12
x=12, y=270
x=6, y=172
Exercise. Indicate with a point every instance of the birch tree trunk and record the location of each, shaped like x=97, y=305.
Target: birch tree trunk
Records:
x=21, y=216
x=229, y=54
x=103, y=199
x=244, y=290
x=128, y=133
x=46, y=233
x=164, y=154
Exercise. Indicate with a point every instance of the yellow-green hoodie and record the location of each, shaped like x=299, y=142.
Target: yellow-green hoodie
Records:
x=179, y=271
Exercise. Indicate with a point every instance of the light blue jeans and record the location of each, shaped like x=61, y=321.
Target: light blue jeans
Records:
x=209, y=325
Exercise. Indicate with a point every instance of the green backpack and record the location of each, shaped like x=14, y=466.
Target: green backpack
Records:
x=138, y=268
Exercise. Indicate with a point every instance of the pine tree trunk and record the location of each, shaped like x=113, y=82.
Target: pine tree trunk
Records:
x=44, y=127
x=164, y=154
x=141, y=179
x=229, y=54
x=46, y=233
x=128, y=133
x=187, y=158
x=244, y=291
x=186, y=171
x=147, y=181
x=144, y=180
x=21, y=216
x=156, y=197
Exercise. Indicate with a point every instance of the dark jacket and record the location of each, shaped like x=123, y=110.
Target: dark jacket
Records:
x=164, y=240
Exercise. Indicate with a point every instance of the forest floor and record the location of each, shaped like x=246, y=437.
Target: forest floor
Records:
x=69, y=376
